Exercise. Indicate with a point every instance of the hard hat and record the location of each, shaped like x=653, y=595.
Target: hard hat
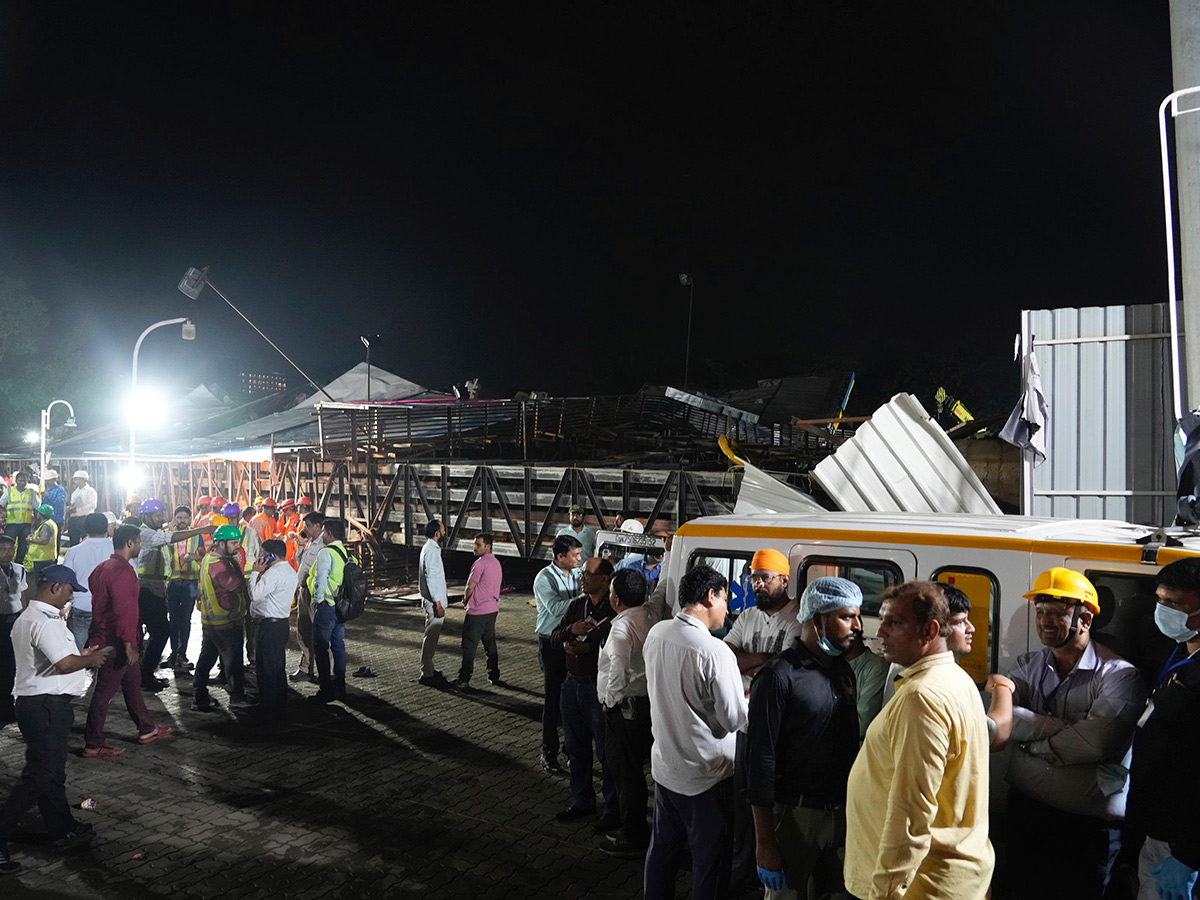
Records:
x=227, y=533
x=304, y=501
x=151, y=506
x=50, y=474
x=287, y=504
x=112, y=520
x=1065, y=584
x=133, y=500
x=46, y=509
x=219, y=501
x=204, y=501
x=81, y=473
x=269, y=502
x=633, y=526
x=217, y=521
x=258, y=500
x=232, y=510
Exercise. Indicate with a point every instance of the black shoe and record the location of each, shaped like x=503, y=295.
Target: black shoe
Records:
x=323, y=697
x=550, y=764
x=605, y=824
x=206, y=706
x=154, y=683
x=81, y=836
x=242, y=702
x=7, y=865
x=574, y=814
x=495, y=679
x=461, y=682
x=437, y=678
x=619, y=847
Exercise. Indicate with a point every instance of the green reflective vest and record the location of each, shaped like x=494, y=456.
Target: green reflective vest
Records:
x=212, y=613
x=336, y=573
x=21, y=504
x=43, y=552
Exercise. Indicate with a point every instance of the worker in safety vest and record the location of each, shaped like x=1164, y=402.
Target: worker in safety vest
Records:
x=183, y=576
x=251, y=550
x=223, y=603
x=43, y=543
x=203, y=511
x=329, y=635
x=264, y=520
x=19, y=501
x=288, y=526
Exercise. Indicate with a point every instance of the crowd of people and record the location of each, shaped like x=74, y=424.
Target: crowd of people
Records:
x=781, y=747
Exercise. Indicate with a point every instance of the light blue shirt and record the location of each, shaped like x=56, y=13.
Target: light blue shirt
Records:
x=431, y=574
x=553, y=589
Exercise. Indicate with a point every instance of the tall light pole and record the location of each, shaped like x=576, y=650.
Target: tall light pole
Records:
x=70, y=423
x=367, y=344
x=193, y=283
x=686, y=281
x=189, y=334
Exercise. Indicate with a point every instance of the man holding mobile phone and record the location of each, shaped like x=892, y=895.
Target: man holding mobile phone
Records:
x=581, y=632
x=272, y=586
x=49, y=677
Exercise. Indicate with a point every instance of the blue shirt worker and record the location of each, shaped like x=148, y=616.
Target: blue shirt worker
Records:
x=553, y=590
x=585, y=534
x=1164, y=791
x=54, y=496
x=329, y=635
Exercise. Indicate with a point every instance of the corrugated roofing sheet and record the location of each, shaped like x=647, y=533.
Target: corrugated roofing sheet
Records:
x=903, y=461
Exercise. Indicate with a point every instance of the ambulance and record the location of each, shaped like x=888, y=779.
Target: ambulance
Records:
x=994, y=559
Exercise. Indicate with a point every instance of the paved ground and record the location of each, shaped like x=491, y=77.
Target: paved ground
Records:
x=403, y=791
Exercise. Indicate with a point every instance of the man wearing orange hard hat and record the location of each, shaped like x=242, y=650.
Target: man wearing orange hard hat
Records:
x=1075, y=708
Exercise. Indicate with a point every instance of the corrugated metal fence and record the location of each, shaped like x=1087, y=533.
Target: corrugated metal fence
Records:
x=1106, y=375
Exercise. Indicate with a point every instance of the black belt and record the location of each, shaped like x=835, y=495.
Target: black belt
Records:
x=580, y=679
x=805, y=801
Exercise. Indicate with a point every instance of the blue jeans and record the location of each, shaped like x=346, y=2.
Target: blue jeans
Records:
x=79, y=624
x=329, y=635
x=583, y=729
x=181, y=600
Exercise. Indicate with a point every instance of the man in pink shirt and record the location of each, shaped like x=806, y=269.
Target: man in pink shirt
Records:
x=114, y=588
x=483, y=603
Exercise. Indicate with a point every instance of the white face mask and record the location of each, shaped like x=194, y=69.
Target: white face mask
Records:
x=1173, y=623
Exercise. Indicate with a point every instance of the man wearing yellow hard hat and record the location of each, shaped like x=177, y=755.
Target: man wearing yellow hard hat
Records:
x=1075, y=707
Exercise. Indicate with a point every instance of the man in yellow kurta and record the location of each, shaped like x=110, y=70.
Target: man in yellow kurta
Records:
x=917, y=801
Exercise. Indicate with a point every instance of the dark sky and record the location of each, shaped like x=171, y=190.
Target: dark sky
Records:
x=509, y=191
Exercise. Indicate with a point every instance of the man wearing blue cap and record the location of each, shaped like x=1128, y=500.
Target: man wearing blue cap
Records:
x=802, y=737
x=49, y=676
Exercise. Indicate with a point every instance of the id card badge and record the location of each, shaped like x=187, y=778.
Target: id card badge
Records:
x=1146, y=715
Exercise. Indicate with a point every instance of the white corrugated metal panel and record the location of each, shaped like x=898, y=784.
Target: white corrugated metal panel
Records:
x=902, y=461
x=1106, y=378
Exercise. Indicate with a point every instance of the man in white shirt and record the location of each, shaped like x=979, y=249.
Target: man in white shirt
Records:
x=82, y=559
x=272, y=586
x=621, y=689
x=82, y=504
x=697, y=705
x=431, y=577
x=314, y=524
x=12, y=587
x=49, y=677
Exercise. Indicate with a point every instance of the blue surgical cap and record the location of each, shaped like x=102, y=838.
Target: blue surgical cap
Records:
x=826, y=595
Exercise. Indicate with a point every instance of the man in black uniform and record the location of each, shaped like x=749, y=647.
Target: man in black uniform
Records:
x=803, y=737
x=1164, y=793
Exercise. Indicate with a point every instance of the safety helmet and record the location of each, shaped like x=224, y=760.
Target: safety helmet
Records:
x=46, y=510
x=133, y=500
x=258, y=500
x=227, y=533
x=304, y=501
x=81, y=473
x=219, y=501
x=287, y=504
x=1065, y=584
x=217, y=521
x=232, y=510
x=151, y=506
x=204, y=501
x=269, y=503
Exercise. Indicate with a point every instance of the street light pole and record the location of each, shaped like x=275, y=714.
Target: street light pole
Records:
x=46, y=427
x=367, y=344
x=189, y=334
x=687, y=281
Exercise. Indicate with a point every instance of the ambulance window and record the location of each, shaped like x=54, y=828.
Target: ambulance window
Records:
x=735, y=566
x=1126, y=621
x=983, y=590
x=873, y=576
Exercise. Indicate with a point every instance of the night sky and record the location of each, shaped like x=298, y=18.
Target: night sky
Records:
x=509, y=191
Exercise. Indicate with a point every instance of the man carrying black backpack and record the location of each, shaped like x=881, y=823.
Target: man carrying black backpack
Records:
x=329, y=634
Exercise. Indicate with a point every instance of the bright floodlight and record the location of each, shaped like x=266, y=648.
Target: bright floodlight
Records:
x=32, y=437
x=147, y=410
x=189, y=331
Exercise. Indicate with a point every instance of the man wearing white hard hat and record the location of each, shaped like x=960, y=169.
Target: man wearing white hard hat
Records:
x=82, y=504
